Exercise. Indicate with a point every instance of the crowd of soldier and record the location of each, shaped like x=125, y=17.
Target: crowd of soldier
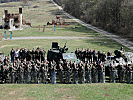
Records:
x=32, y=67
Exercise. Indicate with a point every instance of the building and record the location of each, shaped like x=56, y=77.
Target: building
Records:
x=13, y=21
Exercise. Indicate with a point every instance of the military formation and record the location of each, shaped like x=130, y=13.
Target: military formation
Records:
x=31, y=66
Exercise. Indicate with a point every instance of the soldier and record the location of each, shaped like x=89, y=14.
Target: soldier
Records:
x=23, y=53
x=94, y=56
x=129, y=74
x=35, y=73
x=33, y=54
x=88, y=72
x=12, y=54
x=28, y=73
x=102, y=72
x=4, y=73
x=76, y=52
x=12, y=74
x=90, y=56
x=1, y=69
x=82, y=80
x=37, y=55
x=6, y=61
x=122, y=73
x=44, y=72
x=82, y=55
x=68, y=74
x=99, y=55
x=53, y=72
x=94, y=73
x=42, y=54
x=113, y=73
x=20, y=72
x=28, y=55
x=75, y=73
x=60, y=72
x=109, y=53
x=103, y=57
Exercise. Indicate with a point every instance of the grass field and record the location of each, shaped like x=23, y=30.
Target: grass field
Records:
x=98, y=44
x=67, y=92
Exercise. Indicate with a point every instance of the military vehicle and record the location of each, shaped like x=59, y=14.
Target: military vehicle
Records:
x=57, y=53
x=120, y=57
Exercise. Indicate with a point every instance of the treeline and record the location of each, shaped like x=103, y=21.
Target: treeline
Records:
x=112, y=15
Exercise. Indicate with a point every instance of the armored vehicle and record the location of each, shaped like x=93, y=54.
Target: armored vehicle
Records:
x=120, y=57
x=56, y=53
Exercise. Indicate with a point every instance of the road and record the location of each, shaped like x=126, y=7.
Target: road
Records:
x=55, y=37
x=118, y=39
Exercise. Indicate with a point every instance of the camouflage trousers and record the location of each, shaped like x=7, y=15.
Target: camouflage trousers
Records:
x=20, y=77
x=102, y=77
x=75, y=77
x=129, y=77
x=112, y=76
x=88, y=77
x=68, y=77
x=53, y=77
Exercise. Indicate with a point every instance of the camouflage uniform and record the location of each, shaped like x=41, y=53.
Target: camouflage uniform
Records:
x=68, y=74
x=75, y=74
x=129, y=74
x=122, y=74
x=102, y=73
x=112, y=73
x=60, y=72
x=53, y=73
x=28, y=74
x=44, y=73
x=88, y=73
x=35, y=73
x=20, y=73
x=94, y=74
x=12, y=74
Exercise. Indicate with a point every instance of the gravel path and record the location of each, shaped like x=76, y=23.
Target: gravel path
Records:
x=56, y=37
x=122, y=41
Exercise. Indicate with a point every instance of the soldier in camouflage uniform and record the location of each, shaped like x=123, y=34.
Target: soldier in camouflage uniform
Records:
x=60, y=72
x=82, y=77
x=94, y=73
x=75, y=73
x=88, y=72
x=68, y=74
x=53, y=72
x=20, y=73
x=12, y=74
x=102, y=72
x=113, y=73
x=44, y=72
x=35, y=73
x=1, y=68
x=129, y=74
x=122, y=73
x=28, y=73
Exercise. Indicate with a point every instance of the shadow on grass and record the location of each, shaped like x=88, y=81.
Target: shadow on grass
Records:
x=106, y=43
x=79, y=28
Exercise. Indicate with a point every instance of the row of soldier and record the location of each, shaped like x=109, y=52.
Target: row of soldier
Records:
x=23, y=53
x=91, y=55
x=23, y=71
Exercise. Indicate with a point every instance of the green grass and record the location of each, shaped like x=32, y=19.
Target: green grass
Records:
x=98, y=44
x=80, y=31
x=67, y=92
